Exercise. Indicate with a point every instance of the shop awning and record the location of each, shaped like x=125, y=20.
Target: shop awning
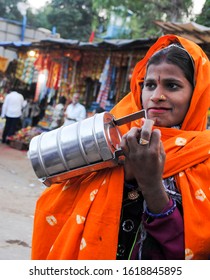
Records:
x=198, y=33
x=54, y=43
x=12, y=44
x=195, y=32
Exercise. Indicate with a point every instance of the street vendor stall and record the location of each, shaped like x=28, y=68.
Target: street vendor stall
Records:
x=61, y=67
x=22, y=138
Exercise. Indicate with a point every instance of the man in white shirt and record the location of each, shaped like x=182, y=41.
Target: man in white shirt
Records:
x=75, y=111
x=12, y=111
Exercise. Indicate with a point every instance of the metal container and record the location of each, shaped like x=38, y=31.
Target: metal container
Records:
x=82, y=147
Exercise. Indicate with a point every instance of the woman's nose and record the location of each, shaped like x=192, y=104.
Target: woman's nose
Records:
x=158, y=95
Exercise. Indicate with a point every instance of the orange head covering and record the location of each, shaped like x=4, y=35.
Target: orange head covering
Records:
x=196, y=117
x=79, y=219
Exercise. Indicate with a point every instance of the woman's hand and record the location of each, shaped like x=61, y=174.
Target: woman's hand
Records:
x=145, y=162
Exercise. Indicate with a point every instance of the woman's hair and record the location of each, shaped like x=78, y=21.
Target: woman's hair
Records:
x=177, y=55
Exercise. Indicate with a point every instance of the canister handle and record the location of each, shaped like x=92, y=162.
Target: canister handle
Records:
x=132, y=117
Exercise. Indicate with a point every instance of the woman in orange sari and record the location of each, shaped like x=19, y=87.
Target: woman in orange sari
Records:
x=156, y=205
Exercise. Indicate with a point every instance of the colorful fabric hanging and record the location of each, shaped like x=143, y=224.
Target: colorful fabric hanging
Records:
x=42, y=62
x=105, y=81
x=28, y=70
x=41, y=88
x=54, y=75
x=113, y=83
x=3, y=63
x=20, y=68
x=42, y=66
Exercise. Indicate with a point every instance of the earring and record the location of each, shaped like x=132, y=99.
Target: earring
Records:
x=162, y=97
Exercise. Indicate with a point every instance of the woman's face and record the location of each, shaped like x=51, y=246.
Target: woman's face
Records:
x=166, y=94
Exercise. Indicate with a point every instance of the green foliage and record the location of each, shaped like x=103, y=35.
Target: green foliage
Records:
x=72, y=18
x=8, y=10
x=204, y=17
x=75, y=19
x=144, y=12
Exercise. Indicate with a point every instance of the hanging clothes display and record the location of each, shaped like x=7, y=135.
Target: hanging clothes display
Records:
x=113, y=83
x=90, y=69
x=42, y=65
x=64, y=82
x=105, y=81
x=53, y=79
x=41, y=88
x=101, y=75
x=20, y=67
x=54, y=75
x=28, y=70
x=3, y=63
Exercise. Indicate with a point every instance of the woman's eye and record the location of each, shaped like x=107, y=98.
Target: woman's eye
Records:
x=172, y=86
x=150, y=85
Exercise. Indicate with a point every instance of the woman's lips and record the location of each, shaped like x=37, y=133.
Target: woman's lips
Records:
x=158, y=110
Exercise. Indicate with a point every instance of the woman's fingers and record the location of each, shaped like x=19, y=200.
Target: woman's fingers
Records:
x=156, y=139
x=142, y=139
x=146, y=132
x=130, y=139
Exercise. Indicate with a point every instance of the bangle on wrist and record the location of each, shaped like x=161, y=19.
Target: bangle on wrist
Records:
x=164, y=214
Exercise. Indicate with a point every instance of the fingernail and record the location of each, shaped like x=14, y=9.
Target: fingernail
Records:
x=148, y=124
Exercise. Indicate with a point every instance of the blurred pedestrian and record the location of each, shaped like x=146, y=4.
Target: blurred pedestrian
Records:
x=12, y=111
x=35, y=113
x=58, y=113
x=30, y=113
x=42, y=106
x=98, y=110
x=75, y=111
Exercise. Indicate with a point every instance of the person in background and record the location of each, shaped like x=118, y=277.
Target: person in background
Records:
x=42, y=106
x=155, y=205
x=30, y=113
x=99, y=110
x=35, y=113
x=75, y=111
x=58, y=113
x=12, y=111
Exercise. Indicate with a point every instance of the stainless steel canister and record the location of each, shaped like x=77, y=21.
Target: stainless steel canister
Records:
x=78, y=148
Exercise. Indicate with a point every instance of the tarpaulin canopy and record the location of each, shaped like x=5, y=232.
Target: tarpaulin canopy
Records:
x=195, y=32
x=54, y=43
x=16, y=44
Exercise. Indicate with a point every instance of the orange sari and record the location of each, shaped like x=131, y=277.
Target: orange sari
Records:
x=79, y=219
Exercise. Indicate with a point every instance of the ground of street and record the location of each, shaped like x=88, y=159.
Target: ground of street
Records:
x=19, y=190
